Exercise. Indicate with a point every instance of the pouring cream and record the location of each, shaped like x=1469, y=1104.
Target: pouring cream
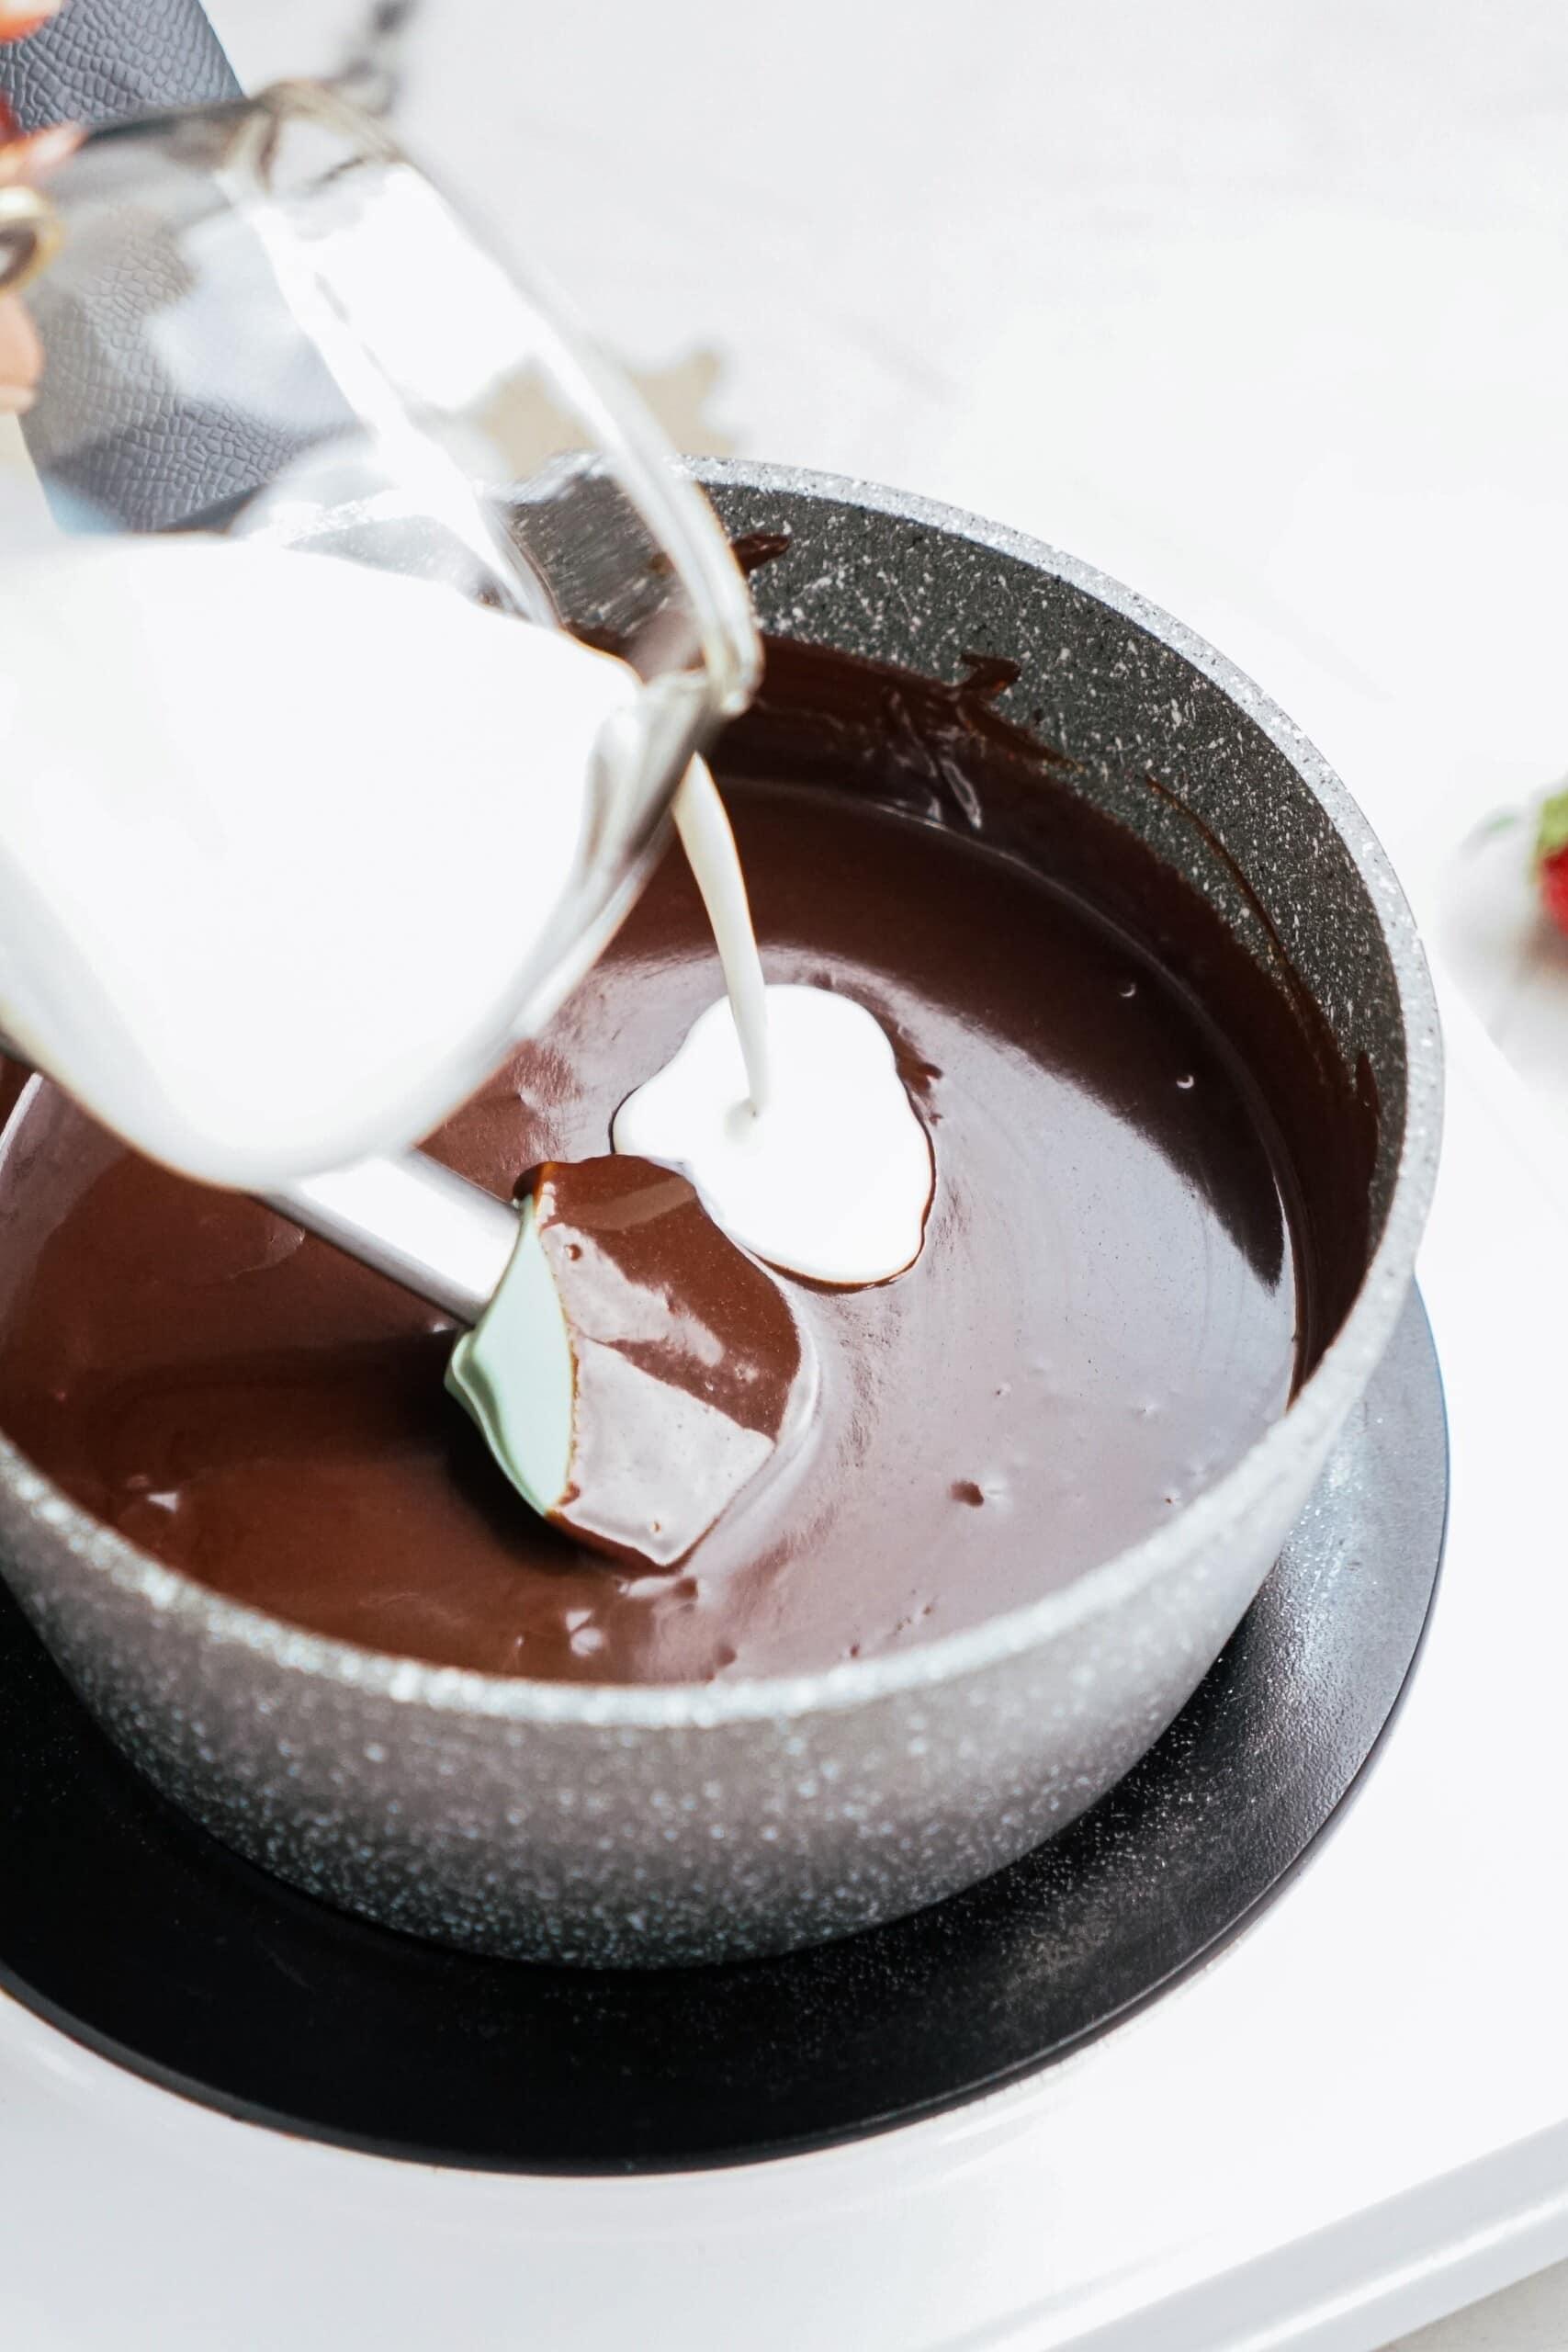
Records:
x=783, y=1106
x=283, y=842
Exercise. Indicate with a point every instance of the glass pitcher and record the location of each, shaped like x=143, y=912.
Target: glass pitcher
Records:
x=261, y=320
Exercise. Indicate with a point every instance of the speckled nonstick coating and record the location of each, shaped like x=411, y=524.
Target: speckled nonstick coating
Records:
x=639, y=1824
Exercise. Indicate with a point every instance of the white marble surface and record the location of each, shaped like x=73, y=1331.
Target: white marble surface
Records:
x=1260, y=308
x=1530, y=2317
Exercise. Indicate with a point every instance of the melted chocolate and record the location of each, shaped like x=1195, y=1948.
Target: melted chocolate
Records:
x=685, y=1356
x=946, y=754
x=1128, y=1257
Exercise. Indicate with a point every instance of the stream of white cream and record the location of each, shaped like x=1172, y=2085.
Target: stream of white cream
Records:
x=783, y=1106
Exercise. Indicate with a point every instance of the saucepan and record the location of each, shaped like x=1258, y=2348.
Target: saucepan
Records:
x=635, y=1825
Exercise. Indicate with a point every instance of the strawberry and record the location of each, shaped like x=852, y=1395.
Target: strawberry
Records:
x=1552, y=858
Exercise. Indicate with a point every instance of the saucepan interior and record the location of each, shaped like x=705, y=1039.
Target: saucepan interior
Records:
x=622, y=1825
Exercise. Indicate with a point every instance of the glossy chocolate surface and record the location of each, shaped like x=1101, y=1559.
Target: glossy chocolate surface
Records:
x=687, y=1360
x=1113, y=1302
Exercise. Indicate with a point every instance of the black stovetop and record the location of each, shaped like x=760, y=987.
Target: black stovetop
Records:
x=135, y=1932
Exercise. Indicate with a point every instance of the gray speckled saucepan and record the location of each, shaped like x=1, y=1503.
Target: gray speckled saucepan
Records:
x=618, y=1826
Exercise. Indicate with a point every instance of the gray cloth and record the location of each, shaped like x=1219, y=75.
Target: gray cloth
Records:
x=103, y=60
x=112, y=438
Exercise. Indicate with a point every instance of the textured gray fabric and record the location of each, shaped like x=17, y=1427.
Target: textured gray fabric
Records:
x=103, y=60
x=123, y=445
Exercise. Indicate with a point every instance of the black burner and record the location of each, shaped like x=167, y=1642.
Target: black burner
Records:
x=139, y=1935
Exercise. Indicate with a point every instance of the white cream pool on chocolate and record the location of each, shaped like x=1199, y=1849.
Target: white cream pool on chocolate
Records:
x=833, y=1178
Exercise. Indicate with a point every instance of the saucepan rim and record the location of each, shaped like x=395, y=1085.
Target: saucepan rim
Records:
x=1345, y=1367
